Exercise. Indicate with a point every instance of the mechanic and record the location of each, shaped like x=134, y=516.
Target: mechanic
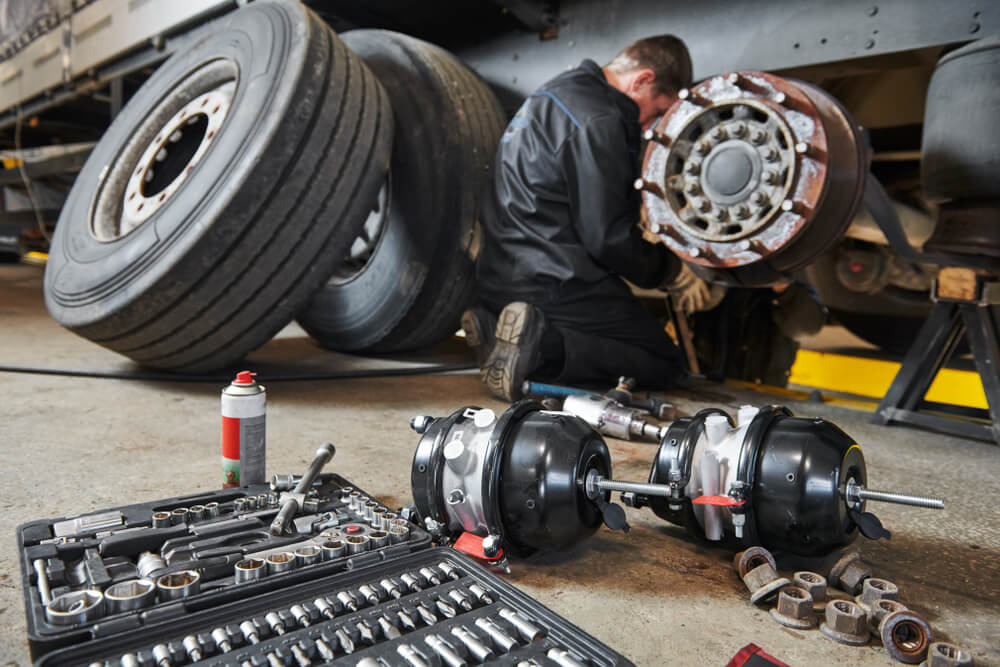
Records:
x=560, y=233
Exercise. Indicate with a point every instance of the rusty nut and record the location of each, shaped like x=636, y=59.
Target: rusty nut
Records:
x=750, y=558
x=880, y=609
x=795, y=608
x=873, y=589
x=906, y=636
x=943, y=654
x=849, y=573
x=845, y=622
x=813, y=583
x=763, y=582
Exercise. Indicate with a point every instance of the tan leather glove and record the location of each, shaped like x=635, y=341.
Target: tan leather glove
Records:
x=692, y=294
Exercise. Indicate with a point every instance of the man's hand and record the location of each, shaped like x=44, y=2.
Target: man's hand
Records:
x=691, y=294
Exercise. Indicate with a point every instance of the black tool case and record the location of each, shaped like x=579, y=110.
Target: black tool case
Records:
x=101, y=549
x=376, y=607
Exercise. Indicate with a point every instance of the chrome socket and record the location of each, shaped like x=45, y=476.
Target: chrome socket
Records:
x=75, y=607
x=528, y=630
x=197, y=513
x=240, y=505
x=161, y=519
x=398, y=534
x=505, y=642
x=179, y=515
x=178, y=585
x=379, y=538
x=353, y=500
x=213, y=509
x=345, y=493
x=130, y=595
x=148, y=563
x=357, y=544
x=249, y=569
x=331, y=549
x=307, y=554
x=378, y=517
x=369, y=509
x=280, y=562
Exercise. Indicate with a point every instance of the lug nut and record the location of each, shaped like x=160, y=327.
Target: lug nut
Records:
x=850, y=571
x=757, y=568
x=758, y=136
x=906, y=636
x=720, y=134
x=846, y=623
x=692, y=168
x=880, y=609
x=812, y=583
x=943, y=654
x=795, y=608
x=761, y=199
x=873, y=589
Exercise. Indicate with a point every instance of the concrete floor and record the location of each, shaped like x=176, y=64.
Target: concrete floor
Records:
x=69, y=445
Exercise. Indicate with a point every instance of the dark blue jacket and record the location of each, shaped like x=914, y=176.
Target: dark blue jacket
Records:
x=562, y=208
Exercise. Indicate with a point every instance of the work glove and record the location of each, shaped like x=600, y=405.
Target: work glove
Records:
x=691, y=294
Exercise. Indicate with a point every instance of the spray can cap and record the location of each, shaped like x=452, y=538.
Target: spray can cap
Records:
x=244, y=377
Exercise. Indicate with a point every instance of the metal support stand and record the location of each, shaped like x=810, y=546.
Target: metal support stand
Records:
x=975, y=316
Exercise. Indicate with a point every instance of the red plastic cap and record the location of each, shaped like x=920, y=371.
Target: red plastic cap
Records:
x=244, y=377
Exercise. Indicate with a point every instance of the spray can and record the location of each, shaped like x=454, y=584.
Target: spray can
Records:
x=243, y=443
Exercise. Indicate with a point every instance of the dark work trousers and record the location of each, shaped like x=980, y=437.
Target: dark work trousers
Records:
x=605, y=333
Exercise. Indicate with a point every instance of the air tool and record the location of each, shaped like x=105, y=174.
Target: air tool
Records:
x=540, y=480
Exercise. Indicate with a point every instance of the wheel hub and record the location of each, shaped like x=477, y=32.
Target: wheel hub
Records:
x=740, y=166
x=163, y=152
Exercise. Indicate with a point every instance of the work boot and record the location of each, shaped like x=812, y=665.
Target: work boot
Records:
x=479, y=326
x=517, y=351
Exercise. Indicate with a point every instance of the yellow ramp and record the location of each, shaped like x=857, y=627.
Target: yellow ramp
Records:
x=872, y=377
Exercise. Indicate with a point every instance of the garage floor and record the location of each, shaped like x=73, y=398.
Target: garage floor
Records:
x=75, y=444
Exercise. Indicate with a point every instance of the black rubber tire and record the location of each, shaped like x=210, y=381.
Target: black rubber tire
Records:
x=961, y=138
x=256, y=228
x=420, y=276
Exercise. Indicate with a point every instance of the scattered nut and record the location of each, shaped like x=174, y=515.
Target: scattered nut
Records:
x=906, y=636
x=942, y=654
x=846, y=623
x=849, y=572
x=873, y=589
x=812, y=582
x=795, y=608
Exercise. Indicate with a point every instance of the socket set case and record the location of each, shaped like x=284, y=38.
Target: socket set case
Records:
x=132, y=568
x=434, y=607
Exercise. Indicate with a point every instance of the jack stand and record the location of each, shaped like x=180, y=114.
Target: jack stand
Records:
x=966, y=303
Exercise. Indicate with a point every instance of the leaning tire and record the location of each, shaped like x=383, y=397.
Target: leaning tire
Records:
x=275, y=140
x=411, y=273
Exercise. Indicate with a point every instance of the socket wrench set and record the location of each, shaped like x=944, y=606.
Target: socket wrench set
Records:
x=434, y=607
x=135, y=567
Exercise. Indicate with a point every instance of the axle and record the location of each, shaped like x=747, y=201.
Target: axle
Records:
x=853, y=492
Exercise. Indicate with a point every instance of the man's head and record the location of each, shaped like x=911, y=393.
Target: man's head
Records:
x=651, y=72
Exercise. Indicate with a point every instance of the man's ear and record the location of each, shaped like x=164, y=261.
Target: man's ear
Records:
x=643, y=77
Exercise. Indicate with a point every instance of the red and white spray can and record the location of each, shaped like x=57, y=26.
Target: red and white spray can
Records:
x=244, y=451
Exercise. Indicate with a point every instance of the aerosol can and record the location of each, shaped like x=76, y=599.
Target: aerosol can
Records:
x=244, y=450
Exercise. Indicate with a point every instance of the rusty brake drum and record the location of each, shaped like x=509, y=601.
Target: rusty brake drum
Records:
x=751, y=176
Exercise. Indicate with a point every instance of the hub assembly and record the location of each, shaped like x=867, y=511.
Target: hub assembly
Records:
x=752, y=176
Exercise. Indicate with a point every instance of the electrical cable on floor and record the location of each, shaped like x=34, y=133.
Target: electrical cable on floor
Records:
x=431, y=369
x=27, y=181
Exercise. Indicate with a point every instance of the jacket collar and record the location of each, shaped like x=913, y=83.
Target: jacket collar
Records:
x=628, y=108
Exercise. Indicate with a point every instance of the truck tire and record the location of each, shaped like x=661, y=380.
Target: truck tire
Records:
x=220, y=197
x=961, y=137
x=411, y=273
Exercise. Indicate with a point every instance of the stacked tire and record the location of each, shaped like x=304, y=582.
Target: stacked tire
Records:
x=237, y=180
